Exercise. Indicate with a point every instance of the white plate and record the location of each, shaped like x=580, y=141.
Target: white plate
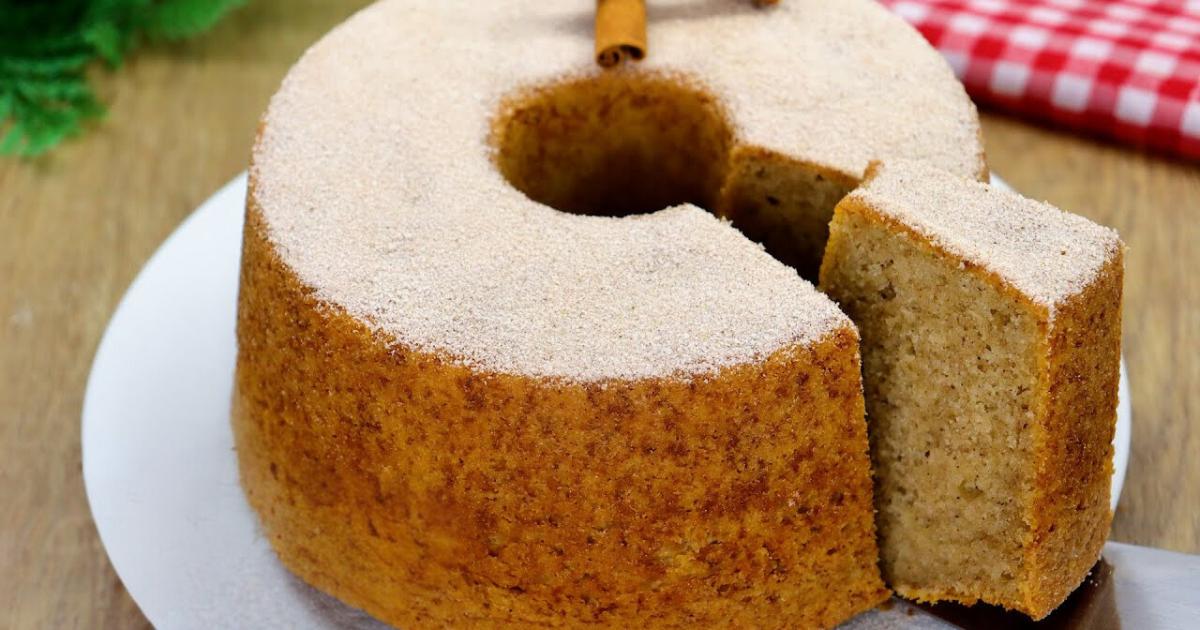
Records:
x=158, y=456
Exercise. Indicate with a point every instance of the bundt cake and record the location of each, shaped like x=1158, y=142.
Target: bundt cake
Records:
x=471, y=392
x=991, y=334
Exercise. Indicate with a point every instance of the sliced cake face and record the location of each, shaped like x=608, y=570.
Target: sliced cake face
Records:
x=991, y=345
x=1037, y=250
x=782, y=203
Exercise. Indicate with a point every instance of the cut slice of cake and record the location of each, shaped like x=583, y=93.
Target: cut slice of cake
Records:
x=991, y=334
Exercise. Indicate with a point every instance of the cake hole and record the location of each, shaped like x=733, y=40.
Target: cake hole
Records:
x=628, y=142
x=616, y=144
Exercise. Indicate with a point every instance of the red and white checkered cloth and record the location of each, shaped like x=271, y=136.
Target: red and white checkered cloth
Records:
x=1125, y=69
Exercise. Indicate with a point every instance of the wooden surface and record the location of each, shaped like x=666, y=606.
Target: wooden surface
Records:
x=76, y=227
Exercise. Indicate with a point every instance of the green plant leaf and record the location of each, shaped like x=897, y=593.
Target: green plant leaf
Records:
x=12, y=141
x=107, y=40
x=47, y=46
x=49, y=66
x=177, y=19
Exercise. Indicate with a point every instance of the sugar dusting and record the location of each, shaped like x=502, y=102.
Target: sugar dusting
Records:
x=1044, y=252
x=373, y=175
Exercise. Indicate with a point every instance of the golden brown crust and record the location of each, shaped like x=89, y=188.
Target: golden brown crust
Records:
x=1069, y=514
x=431, y=495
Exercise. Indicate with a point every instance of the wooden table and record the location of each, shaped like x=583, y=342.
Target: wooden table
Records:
x=76, y=227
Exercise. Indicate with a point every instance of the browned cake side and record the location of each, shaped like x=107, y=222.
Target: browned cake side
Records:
x=431, y=495
x=991, y=421
x=1069, y=511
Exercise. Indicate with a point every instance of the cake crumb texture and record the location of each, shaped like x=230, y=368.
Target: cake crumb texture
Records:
x=991, y=377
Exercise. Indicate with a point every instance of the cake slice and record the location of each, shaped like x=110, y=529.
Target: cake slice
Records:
x=991, y=334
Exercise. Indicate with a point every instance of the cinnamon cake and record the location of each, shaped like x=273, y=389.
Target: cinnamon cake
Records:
x=991, y=328
x=484, y=379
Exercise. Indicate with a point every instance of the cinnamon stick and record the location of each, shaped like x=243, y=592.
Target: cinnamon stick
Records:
x=620, y=31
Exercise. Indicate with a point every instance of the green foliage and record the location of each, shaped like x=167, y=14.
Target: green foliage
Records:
x=46, y=47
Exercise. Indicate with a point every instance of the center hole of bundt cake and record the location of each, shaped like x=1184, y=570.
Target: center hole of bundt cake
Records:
x=616, y=144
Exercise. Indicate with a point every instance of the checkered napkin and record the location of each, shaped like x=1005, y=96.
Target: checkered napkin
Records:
x=1124, y=69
